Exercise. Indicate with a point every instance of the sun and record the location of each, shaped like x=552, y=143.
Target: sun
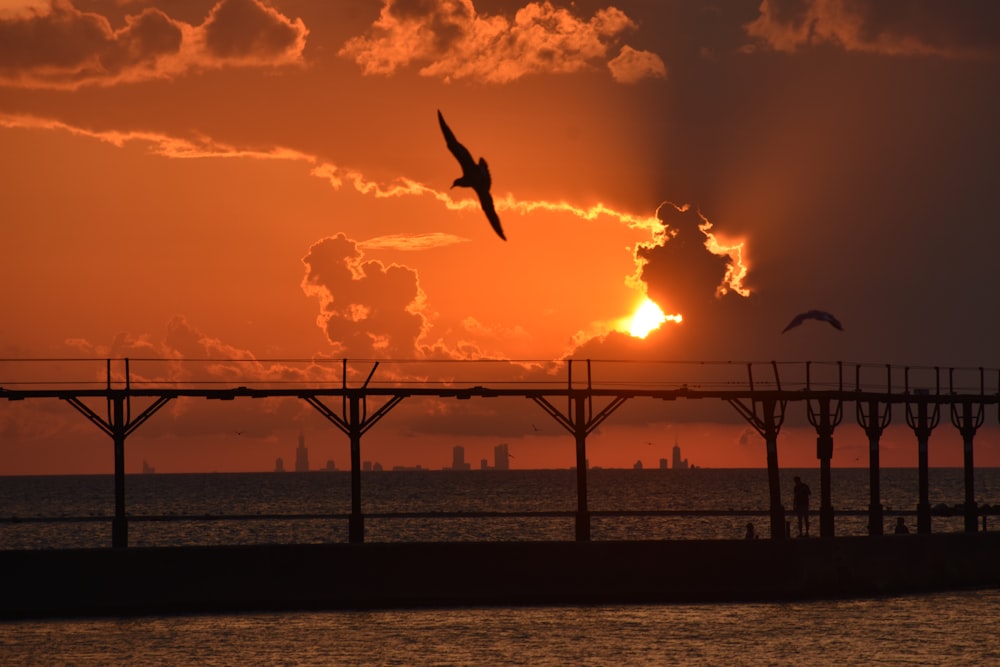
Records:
x=648, y=317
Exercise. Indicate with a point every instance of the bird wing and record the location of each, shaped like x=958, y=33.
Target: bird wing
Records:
x=814, y=315
x=833, y=320
x=460, y=152
x=486, y=201
x=796, y=321
x=484, y=172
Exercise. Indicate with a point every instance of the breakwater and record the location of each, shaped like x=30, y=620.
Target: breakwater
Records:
x=75, y=582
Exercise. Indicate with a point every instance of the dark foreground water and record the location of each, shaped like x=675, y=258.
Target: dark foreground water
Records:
x=937, y=629
x=940, y=629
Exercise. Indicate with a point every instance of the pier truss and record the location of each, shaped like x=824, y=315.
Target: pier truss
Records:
x=128, y=392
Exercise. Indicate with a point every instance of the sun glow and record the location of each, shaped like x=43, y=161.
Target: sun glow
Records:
x=648, y=317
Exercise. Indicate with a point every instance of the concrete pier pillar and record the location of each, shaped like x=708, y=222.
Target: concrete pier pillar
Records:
x=776, y=510
x=119, y=525
x=580, y=432
x=356, y=520
x=922, y=418
x=768, y=423
x=874, y=420
x=968, y=422
x=824, y=422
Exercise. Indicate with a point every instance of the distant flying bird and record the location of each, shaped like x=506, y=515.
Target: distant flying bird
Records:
x=813, y=315
x=475, y=176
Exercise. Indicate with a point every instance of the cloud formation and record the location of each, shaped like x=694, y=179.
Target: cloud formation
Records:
x=631, y=66
x=450, y=40
x=964, y=29
x=157, y=143
x=187, y=354
x=367, y=309
x=249, y=32
x=63, y=47
x=411, y=241
x=691, y=265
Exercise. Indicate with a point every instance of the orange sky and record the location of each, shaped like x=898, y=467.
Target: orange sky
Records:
x=267, y=180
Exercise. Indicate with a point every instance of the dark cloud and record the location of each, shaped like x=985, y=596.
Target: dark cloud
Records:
x=63, y=47
x=446, y=21
x=62, y=38
x=65, y=43
x=630, y=66
x=248, y=29
x=966, y=28
x=682, y=275
x=148, y=35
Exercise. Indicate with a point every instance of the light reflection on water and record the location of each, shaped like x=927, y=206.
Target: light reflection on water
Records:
x=946, y=628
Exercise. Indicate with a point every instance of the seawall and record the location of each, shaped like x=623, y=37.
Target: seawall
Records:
x=80, y=582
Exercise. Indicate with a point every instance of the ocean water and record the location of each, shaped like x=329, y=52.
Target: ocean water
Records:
x=939, y=629
x=954, y=628
x=442, y=505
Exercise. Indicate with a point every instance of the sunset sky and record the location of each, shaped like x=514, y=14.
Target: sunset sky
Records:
x=265, y=180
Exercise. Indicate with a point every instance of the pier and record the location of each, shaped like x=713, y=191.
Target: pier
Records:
x=579, y=396
x=119, y=395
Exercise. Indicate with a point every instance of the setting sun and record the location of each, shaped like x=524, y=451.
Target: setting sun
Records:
x=649, y=316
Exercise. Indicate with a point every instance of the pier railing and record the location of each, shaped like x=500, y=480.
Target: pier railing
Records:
x=27, y=378
x=592, y=390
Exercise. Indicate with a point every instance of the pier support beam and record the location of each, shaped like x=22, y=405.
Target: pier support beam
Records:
x=768, y=423
x=777, y=509
x=874, y=421
x=582, y=530
x=356, y=520
x=119, y=425
x=824, y=422
x=355, y=422
x=968, y=422
x=582, y=424
x=119, y=525
x=922, y=418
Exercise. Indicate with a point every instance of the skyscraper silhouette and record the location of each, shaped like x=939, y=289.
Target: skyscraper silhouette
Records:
x=458, y=458
x=501, y=457
x=302, y=455
x=679, y=463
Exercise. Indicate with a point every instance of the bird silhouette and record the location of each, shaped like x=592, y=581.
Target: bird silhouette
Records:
x=475, y=176
x=813, y=315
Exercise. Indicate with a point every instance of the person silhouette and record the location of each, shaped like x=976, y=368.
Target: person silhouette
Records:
x=800, y=502
x=751, y=533
x=901, y=528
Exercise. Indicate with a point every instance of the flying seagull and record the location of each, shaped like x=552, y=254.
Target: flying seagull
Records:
x=813, y=315
x=475, y=176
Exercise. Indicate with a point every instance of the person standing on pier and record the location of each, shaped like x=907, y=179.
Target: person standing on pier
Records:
x=800, y=501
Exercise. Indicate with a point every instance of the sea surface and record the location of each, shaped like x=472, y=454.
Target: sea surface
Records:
x=955, y=628
x=48, y=512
